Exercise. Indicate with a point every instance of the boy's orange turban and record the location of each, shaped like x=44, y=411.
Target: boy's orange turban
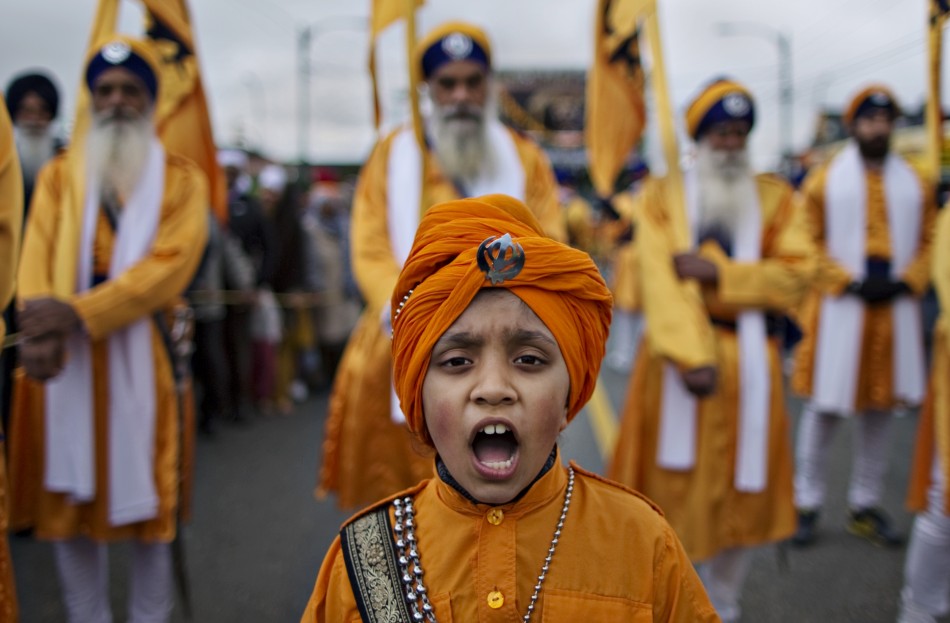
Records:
x=443, y=274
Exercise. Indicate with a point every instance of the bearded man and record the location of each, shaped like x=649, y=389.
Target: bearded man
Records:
x=704, y=431
x=872, y=219
x=33, y=102
x=367, y=451
x=115, y=235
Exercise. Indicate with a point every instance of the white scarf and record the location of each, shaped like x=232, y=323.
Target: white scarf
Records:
x=677, y=438
x=70, y=402
x=404, y=194
x=841, y=322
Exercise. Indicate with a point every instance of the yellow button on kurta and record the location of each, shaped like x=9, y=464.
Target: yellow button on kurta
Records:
x=496, y=600
x=496, y=516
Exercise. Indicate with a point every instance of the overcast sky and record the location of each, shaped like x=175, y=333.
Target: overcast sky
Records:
x=248, y=48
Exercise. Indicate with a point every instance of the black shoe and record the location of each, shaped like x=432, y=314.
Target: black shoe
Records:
x=873, y=525
x=806, y=532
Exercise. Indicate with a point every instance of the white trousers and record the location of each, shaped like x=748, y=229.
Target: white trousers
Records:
x=723, y=576
x=83, y=567
x=926, y=592
x=869, y=458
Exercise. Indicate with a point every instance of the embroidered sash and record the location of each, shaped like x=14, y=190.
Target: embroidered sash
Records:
x=371, y=565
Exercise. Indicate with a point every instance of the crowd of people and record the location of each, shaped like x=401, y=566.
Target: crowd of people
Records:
x=449, y=307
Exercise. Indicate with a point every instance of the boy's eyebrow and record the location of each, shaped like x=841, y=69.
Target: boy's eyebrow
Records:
x=467, y=339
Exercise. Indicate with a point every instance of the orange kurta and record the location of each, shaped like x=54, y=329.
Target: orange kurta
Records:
x=11, y=217
x=155, y=283
x=365, y=455
x=875, y=386
x=933, y=432
x=702, y=504
x=616, y=560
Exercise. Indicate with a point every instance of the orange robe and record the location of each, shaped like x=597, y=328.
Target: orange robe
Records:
x=702, y=504
x=933, y=432
x=616, y=559
x=367, y=456
x=11, y=217
x=155, y=283
x=875, y=386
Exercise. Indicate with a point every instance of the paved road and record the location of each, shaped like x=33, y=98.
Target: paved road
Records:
x=258, y=534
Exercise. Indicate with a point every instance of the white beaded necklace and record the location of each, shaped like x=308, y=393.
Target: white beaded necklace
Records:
x=415, y=590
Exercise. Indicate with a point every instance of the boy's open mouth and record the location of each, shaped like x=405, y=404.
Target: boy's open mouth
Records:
x=495, y=446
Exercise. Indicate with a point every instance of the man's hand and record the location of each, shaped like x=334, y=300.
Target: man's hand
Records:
x=877, y=291
x=42, y=316
x=43, y=357
x=691, y=266
x=700, y=382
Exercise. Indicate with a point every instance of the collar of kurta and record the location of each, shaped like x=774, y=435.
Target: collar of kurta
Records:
x=548, y=486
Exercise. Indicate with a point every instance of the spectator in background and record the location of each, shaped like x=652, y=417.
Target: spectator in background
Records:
x=282, y=207
x=255, y=242
x=327, y=230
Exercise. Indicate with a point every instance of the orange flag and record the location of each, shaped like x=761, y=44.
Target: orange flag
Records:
x=615, y=107
x=939, y=12
x=384, y=13
x=181, y=114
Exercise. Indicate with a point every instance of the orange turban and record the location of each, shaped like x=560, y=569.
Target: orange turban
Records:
x=442, y=276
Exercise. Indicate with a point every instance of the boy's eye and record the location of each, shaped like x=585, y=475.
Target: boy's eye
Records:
x=454, y=362
x=531, y=360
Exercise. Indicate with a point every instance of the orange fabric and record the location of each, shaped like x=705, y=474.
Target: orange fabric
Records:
x=875, y=377
x=641, y=572
x=11, y=215
x=933, y=433
x=560, y=284
x=153, y=284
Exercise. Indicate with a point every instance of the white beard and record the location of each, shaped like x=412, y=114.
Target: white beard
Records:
x=726, y=187
x=116, y=150
x=34, y=150
x=461, y=145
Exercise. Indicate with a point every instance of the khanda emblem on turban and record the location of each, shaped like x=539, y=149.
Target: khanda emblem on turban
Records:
x=500, y=258
x=939, y=9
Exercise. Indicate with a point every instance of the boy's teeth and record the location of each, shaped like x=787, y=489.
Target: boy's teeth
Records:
x=498, y=464
x=495, y=429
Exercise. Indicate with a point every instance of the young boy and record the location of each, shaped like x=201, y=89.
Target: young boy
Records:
x=498, y=334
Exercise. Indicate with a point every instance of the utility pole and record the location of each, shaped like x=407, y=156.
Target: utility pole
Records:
x=303, y=94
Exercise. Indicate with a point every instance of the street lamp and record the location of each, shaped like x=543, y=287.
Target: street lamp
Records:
x=305, y=36
x=786, y=98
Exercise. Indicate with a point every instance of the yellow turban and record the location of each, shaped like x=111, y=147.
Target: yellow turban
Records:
x=442, y=276
x=452, y=41
x=872, y=96
x=723, y=100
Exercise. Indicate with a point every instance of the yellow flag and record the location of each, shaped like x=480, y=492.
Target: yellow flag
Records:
x=939, y=12
x=181, y=113
x=615, y=107
x=384, y=13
